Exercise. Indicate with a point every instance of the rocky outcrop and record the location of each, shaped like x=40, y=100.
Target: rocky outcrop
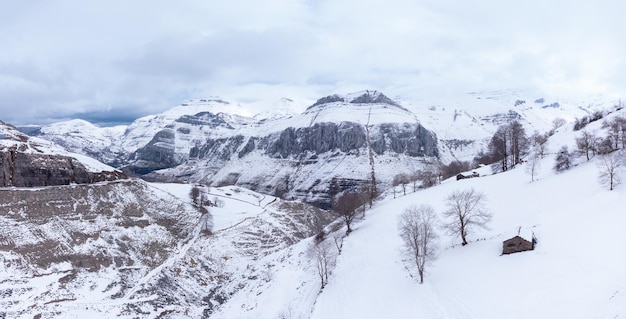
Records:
x=409, y=139
x=207, y=119
x=28, y=170
x=30, y=162
x=320, y=138
x=158, y=154
x=365, y=97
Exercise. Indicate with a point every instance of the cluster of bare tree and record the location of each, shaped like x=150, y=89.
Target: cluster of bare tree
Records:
x=200, y=202
x=418, y=225
x=348, y=207
x=422, y=179
x=508, y=145
x=609, y=147
x=428, y=177
x=590, y=144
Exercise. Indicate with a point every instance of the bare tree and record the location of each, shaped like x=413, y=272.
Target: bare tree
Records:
x=509, y=144
x=558, y=122
x=519, y=141
x=417, y=229
x=196, y=196
x=533, y=165
x=586, y=143
x=369, y=192
x=338, y=239
x=499, y=147
x=465, y=212
x=539, y=143
x=609, y=166
x=616, y=129
x=415, y=178
x=400, y=180
x=428, y=177
x=403, y=181
x=324, y=261
x=346, y=207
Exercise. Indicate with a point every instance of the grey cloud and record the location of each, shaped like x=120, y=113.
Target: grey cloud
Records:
x=140, y=57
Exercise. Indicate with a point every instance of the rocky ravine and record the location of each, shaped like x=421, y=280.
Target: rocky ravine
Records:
x=129, y=249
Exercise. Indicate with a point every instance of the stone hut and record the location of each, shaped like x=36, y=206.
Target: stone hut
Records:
x=517, y=244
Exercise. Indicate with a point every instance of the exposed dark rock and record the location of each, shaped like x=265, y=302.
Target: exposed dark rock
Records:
x=320, y=138
x=83, y=216
x=249, y=147
x=327, y=99
x=205, y=119
x=371, y=97
x=157, y=154
x=410, y=139
x=221, y=148
x=28, y=170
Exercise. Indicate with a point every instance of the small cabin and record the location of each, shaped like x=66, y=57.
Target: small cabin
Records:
x=461, y=176
x=517, y=244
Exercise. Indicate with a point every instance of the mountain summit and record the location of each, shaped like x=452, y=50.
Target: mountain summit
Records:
x=362, y=97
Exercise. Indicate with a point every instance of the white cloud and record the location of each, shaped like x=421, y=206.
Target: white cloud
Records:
x=137, y=57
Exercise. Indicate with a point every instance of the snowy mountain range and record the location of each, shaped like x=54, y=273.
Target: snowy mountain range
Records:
x=135, y=249
x=300, y=154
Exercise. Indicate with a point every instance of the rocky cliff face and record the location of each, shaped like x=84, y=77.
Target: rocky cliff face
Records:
x=28, y=162
x=338, y=137
x=299, y=157
x=28, y=170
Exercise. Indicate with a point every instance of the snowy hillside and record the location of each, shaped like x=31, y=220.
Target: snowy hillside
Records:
x=578, y=269
x=86, y=138
x=130, y=249
x=465, y=123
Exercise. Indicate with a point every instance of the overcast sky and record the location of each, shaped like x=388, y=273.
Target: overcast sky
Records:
x=111, y=60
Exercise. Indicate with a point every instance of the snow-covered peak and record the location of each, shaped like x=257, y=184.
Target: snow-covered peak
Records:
x=364, y=107
x=284, y=107
x=213, y=105
x=361, y=97
x=83, y=127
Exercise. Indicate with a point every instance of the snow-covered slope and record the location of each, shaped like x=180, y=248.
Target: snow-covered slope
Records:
x=86, y=138
x=253, y=256
x=465, y=123
x=578, y=269
x=131, y=249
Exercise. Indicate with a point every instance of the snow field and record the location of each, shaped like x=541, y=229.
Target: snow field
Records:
x=578, y=269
